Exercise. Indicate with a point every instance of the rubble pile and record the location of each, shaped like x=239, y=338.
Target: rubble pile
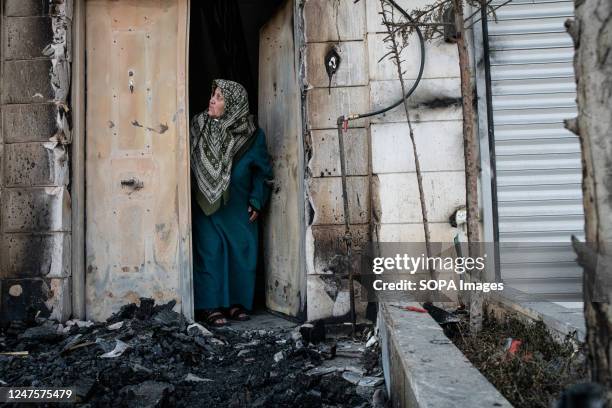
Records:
x=147, y=355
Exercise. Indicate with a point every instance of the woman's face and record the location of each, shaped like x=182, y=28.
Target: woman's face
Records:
x=216, y=105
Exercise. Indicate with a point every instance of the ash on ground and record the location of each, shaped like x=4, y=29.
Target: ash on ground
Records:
x=148, y=356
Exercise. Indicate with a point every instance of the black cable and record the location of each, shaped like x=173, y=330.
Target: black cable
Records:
x=419, y=76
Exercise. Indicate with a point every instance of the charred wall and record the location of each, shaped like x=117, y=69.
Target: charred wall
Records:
x=383, y=193
x=34, y=166
x=339, y=24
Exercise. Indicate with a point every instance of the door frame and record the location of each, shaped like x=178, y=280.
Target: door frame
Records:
x=486, y=142
x=299, y=49
x=299, y=43
x=77, y=191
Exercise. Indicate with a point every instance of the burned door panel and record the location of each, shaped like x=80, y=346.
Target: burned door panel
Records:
x=136, y=170
x=280, y=117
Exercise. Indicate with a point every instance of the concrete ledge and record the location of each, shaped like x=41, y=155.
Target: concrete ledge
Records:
x=560, y=320
x=423, y=368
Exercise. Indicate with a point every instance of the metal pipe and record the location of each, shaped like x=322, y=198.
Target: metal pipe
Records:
x=342, y=124
x=416, y=82
x=491, y=132
x=348, y=239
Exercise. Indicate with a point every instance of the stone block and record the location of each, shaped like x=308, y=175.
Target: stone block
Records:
x=319, y=304
x=325, y=159
x=324, y=108
x=439, y=147
x=320, y=20
x=433, y=100
x=28, y=123
x=413, y=232
x=399, y=196
x=329, y=298
x=26, y=37
x=14, y=8
x=27, y=81
x=353, y=68
x=373, y=9
x=33, y=164
x=441, y=59
x=327, y=249
x=36, y=209
x=37, y=256
x=326, y=199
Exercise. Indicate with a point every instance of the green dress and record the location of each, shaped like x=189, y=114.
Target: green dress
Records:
x=225, y=243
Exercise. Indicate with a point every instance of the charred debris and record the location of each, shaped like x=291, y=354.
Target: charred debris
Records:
x=147, y=355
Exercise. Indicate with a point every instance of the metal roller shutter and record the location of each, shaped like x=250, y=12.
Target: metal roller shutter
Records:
x=538, y=161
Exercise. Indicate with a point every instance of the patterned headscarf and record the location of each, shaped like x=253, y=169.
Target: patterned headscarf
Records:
x=215, y=143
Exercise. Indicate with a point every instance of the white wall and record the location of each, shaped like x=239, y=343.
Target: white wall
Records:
x=438, y=134
x=379, y=153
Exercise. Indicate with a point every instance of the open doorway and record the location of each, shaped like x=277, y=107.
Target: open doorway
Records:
x=224, y=43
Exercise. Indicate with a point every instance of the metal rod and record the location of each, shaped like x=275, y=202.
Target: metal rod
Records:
x=491, y=135
x=486, y=14
x=417, y=80
x=342, y=126
x=348, y=239
x=477, y=10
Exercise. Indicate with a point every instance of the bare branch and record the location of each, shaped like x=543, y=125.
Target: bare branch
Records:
x=385, y=56
x=395, y=51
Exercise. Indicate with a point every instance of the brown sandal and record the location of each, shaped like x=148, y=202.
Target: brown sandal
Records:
x=238, y=312
x=214, y=318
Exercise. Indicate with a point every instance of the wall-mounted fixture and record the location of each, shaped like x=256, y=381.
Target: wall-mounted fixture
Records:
x=332, y=62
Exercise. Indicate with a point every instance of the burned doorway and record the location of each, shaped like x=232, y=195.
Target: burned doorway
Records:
x=137, y=238
x=252, y=42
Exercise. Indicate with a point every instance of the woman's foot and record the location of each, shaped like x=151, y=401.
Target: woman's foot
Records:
x=238, y=312
x=212, y=317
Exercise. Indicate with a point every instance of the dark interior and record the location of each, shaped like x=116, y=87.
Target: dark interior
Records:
x=224, y=43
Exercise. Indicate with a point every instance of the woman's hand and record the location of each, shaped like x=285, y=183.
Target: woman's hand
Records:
x=254, y=214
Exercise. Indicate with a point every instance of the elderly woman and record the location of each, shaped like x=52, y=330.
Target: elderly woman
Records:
x=230, y=177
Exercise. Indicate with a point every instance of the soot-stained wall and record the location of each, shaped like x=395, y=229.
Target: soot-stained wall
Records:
x=34, y=163
x=382, y=189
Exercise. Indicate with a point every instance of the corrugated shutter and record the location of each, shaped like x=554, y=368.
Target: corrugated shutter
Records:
x=538, y=161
